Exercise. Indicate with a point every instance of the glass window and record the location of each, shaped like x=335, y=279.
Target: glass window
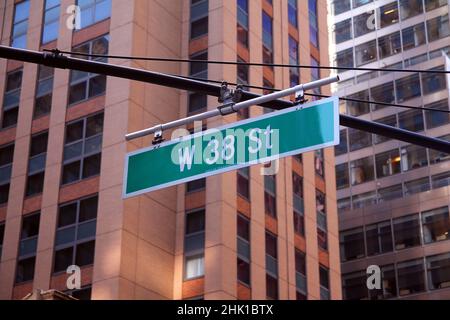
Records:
x=11, y=99
x=361, y=170
x=407, y=232
x=27, y=248
x=436, y=225
x=354, y=286
x=36, y=164
x=433, y=82
x=410, y=8
x=434, y=4
x=199, y=69
x=344, y=59
x=344, y=204
x=292, y=12
x=382, y=93
x=85, y=85
x=93, y=11
x=313, y=23
x=342, y=176
x=411, y=277
x=243, y=271
x=243, y=245
x=271, y=287
x=438, y=270
x=379, y=238
x=411, y=120
x=388, y=14
x=44, y=89
x=75, y=235
x=51, y=21
x=270, y=195
x=267, y=38
x=364, y=199
x=324, y=280
x=300, y=271
x=195, y=185
x=389, y=284
x=359, y=139
x=390, y=193
x=413, y=36
x=340, y=6
x=242, y=22
x=319, y=163
x=352, y=244
x=358, y=108
x=243, y=182
x=416, y=186
x=366, y=53
x=82, y=150
x=438, y=28
x=387, y=163
x=390, y=121
x=294, y=73
x=389, y=45
x=436, y=119
x=197, y=102
x=440, y=180
x=194, y=267
x=358, y=3
x=413, y=157
x=407, y=88
x=343, y=31
x=20, y=24
x=341, y=148
x=364, y=23
x=6, y=160
x=438, y=156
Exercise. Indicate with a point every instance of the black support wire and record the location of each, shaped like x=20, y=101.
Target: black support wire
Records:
x=57, y=60
x=242, y=63
x=387, y=104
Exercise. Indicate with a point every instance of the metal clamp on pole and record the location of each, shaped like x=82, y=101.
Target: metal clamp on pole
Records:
x=300, y=97
x=158, y=136
x=229, y=98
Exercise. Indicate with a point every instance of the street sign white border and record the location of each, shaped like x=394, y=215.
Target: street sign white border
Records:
x=333, y=99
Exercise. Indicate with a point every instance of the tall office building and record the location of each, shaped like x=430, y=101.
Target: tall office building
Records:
x=393, y=197
x=238, y=235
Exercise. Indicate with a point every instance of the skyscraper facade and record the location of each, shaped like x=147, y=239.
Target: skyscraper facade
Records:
x=392, y=196
x=237, y=235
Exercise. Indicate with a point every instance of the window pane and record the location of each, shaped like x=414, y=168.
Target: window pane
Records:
x=63, y=259
x=243, y=271
x=389, y=45
x=199, y=28
x=387, y=163
x=340, y=6
x=30, y=226
x=388, y=14
x=341, y=148
x=359, y=139
x=342, y=176
x=411, y=120
x=379, y=238
x=344, y=59
x=411, y=277
x=91, y=166
x=410, y=8
x=243, y=228
x=390, y=121
x=71, y=172
x=438, y=28
x=74, y=131
x=195, y=185
x=358, y=108
x=343, y=31
x=407, y=232
x=35, y=184
x=408, y=87
x=352, y=244
x=390, y=193
x=364, y=199
x=413, y=36
x=416, y=186
x=194, y=267
x=438, y=271
x=64, y=236
x=436, y=119
x=413, y=157
x=271, y=287
x=271, y=245
x=354, y=286
x=195, y=222
x=25, y=270
x=364, y=23
x=85, y=253
x=88, y=209
x=361, y=170
x=433, y=82
x=436, y=225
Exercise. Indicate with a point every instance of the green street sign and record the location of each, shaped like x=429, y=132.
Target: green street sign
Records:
x=278, y=134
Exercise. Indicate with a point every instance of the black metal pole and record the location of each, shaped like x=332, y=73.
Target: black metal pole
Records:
x=64, y=62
